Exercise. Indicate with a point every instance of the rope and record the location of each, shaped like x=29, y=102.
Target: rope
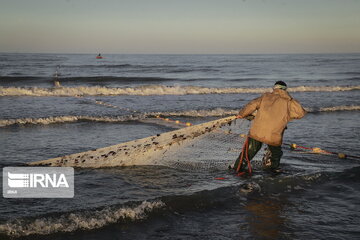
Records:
x=317, y=150
x=134, y=111
x=107, y=104
x=244, y=152
x=175, y=121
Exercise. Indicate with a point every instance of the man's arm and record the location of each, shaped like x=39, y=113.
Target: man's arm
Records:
x=296, y=110
x=249, y=108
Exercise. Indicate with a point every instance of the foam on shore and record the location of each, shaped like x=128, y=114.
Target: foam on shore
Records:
x=218, y=112
x=153, y=90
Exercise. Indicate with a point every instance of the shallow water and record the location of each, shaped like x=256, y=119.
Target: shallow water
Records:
x=316, y=198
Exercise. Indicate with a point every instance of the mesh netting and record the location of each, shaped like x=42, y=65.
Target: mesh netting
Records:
x=211, y=145
x=211, y=151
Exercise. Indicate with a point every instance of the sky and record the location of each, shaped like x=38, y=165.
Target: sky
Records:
x=180, y=26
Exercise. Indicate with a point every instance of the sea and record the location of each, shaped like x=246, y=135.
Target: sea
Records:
x=57, y=104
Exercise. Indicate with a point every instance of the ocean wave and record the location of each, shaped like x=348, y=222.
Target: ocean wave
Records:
x=84, y=220
x=334, y=109
x=99, y=79
x=90, y=219
x=65, y=119
x=154, y=90
x=99, y=66
x=350, y=72
x=218, y=112
x=228, y=193
x=114, y=119
x=18, y=78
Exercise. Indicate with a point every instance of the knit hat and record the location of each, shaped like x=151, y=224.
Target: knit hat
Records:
x=280, y=85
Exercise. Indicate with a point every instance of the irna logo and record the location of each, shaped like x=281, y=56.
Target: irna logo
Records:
x=38, y=182
x=23, y=180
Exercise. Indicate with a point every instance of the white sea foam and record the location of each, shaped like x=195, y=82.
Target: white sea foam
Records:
x=218, y=112
x=77, y=221
x=154, y=90
x=63, y=119
x=339, y=108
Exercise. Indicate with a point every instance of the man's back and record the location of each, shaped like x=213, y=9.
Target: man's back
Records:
x=274, y=111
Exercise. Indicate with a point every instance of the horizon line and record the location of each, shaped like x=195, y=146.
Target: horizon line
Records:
x=107, y=53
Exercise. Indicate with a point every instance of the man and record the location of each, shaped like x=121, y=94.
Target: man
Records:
x=274, y=111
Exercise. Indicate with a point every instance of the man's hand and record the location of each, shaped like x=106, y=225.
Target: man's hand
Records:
x=250, y=117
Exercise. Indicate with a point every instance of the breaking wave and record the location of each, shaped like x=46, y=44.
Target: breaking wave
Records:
x=218, y=112
x=334, y=109
x=85, y=220
x=114, y=119
x=65, y=119
x=154, y=90
x=90, y=219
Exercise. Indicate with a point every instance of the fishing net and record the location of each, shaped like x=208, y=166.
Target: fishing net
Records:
x=213, y=150
x=211, y=145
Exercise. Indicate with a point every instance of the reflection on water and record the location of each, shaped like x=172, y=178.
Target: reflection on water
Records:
x=266, y=219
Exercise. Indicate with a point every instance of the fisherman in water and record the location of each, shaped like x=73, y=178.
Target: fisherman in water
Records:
x=273, y=112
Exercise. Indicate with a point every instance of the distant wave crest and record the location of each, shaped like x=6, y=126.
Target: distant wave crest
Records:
x=218, y=112
x=154, y=90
